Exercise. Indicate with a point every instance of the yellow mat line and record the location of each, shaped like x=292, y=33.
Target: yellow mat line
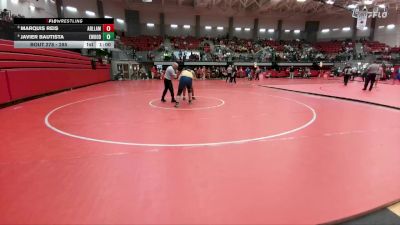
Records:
x=395, y=208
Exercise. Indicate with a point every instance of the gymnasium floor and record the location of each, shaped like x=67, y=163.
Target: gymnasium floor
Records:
x=384, y=94
x=112, y=153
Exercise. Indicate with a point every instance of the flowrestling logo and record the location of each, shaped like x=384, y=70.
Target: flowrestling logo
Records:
x=376, y=12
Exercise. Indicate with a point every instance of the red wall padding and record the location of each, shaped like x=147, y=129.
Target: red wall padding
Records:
x=32, y=64
x=48, y=52
x=6, y=46
x=4, y=91
x=32, y=82
x=6, y=56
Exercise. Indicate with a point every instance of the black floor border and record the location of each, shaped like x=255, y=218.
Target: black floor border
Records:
x=381, y=217
x=332, y=96
x=361, y=215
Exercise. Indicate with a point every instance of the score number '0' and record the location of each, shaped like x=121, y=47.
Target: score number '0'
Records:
x=108, y=27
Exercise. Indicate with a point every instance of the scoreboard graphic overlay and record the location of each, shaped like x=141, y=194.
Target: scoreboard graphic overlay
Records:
x=73, y=33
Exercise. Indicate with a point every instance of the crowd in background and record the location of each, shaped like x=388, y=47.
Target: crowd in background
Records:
x=273, y=51
x=7, y=16
x=255, y=72
x=222, y=72
x=265, y=50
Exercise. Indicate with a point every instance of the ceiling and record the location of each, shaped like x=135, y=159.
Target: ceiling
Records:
x=308, y=7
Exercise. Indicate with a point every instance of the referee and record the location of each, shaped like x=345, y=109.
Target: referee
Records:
x=373, y=70
x=169, y=74
x=347, y=71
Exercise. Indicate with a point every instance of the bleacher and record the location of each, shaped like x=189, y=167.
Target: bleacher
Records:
x=188, y=43
x=395, y=50
x=329, y=47
x=375, y=46
x=207, y=48
x=143, y=43
x=274, y=44
x=30, y=72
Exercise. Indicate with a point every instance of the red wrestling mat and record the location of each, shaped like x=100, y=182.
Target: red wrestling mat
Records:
x=385, y=93
x=114, y=154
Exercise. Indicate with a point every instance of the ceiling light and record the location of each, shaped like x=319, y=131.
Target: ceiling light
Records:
x=368, y=2
x=352, y=6
x=296, y=31
x=120, y=20
x=90, y=13
x=208, y=27
x=335, y=29
x=220, y=28
x=287, y=31
x=238, y=28
x=325, y=30
x=147, y=1
x=150, y=24
x=330, y=2
x=262, y=30
x=107, y=17
x=174, y=26
x=365, y=28
x=247, y=29
x=382, y=6
x=301, y=0
x=271, y=30
x=391, y=26
x=186, y=26
x=381, y=27
x=71, y=9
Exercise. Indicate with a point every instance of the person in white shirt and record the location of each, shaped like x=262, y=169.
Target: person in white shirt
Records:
x=170, y=73
x=229, y=71
x=346, y=74
x=373, y=70
x=353, y=73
